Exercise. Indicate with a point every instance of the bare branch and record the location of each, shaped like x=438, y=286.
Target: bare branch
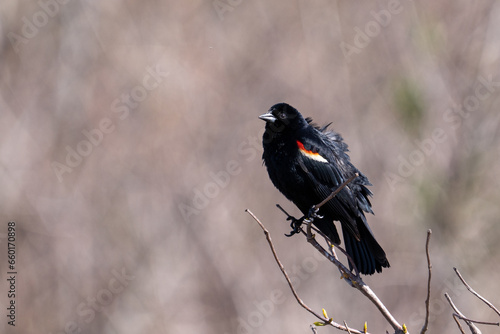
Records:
x=268, y=237
x=470, y=322
x=475, y=293
x=310, y=226
x=478, y=321
x=458, y=314
x=427, y=300
x=356, y=281
x=346, y=273
x=455, y=317
x=345, y=324
x=299, y=300
x=365, y=290
x=353, y=280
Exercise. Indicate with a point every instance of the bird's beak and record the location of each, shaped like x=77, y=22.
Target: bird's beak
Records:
x=268, y=117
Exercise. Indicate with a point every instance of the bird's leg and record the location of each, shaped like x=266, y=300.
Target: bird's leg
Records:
x=295, y=225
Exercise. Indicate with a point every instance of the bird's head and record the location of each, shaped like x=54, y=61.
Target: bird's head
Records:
x=282, y=118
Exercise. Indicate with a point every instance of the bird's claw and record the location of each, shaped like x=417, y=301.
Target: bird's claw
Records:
x=295, y=225
x=313, y=213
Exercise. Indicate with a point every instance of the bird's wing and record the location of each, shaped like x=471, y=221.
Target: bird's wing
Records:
x=327, y=165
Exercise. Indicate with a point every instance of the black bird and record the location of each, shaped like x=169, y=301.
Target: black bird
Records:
x=306, y=163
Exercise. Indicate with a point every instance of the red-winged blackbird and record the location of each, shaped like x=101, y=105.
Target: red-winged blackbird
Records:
x=306, y=163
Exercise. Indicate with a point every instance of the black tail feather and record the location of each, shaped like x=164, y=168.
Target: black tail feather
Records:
x=367, y=254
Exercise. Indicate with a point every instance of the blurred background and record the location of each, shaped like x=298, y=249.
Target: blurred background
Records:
x=130, y=148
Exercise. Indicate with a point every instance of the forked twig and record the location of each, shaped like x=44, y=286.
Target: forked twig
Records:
x=312, y=240
x=299, y=300
x=475, y=293
x=354, y=280
x=459, y=315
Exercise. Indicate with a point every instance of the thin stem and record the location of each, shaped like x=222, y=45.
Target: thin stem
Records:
x=295, y=294
x=459, y=315
x=475, y=293
x=345, y=324
x=336, y=191
x=354, y=280
x=427, y=300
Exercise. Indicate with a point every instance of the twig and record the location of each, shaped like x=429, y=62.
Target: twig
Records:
x=470, y=322
x=345, y=324
x=478, y=321
x=354, y=280
x=346, y=273
x=459, y=315
x=299, y=300
x=336, y=191
x=268, y=237
x=475, y=293
x=458, y=323
x=365, y=290
x=311, y=240
x=349, y=258
x=427, y=300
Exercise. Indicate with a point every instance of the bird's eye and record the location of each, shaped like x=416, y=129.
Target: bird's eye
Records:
x=281, y=115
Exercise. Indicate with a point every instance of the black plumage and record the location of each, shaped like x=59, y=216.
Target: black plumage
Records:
x=306, y=163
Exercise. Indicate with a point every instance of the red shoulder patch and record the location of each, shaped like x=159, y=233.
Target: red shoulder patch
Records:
x=310, y=154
